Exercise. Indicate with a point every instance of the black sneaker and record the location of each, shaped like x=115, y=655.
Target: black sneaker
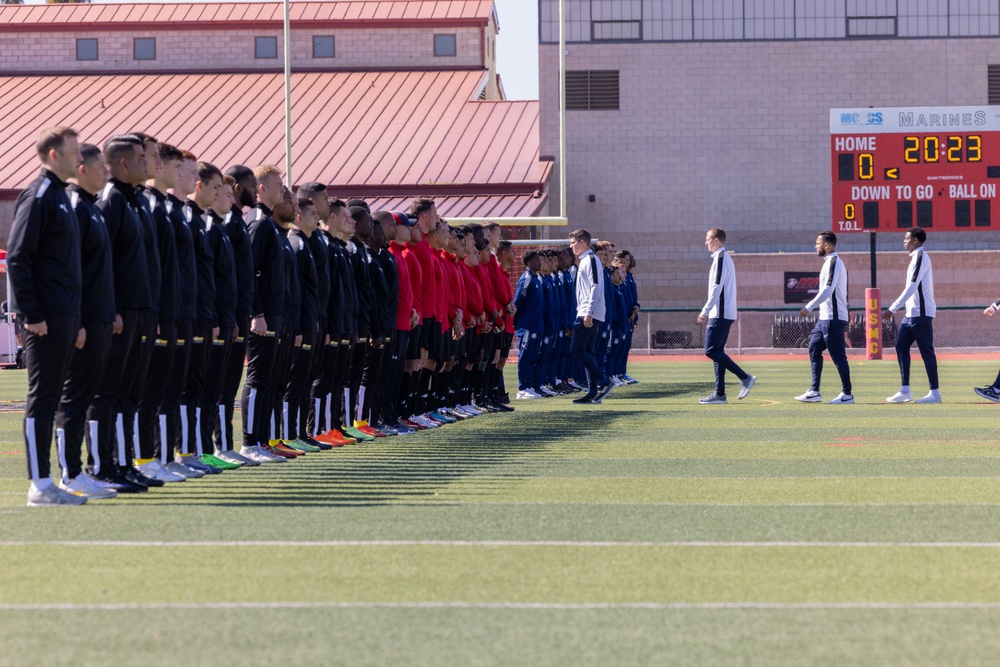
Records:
x=316, y=443
x=136, y=477
x=587, y=398
x=118, y=482
x=989, y=393
x=602, y=392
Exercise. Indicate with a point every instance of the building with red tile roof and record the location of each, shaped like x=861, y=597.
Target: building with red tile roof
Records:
x=391, y=100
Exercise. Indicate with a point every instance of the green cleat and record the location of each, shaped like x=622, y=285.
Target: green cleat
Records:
x=356, y=434
x=300, y=445
x=215, y=462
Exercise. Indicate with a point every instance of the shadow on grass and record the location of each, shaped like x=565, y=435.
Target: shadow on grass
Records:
x=647, y=390
x=397, y=470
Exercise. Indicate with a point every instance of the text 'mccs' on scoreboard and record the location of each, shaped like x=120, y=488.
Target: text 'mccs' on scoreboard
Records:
x=931, y=167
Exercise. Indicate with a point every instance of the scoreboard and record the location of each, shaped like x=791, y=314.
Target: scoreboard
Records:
x=931, y=167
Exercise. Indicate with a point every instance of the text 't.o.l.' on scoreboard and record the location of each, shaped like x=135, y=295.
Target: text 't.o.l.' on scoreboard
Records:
x=932, y=167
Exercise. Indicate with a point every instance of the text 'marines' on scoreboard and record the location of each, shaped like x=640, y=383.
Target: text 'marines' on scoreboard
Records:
x=931, y=167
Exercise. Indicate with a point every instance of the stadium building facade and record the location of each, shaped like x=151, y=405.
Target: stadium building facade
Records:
x=684, y=116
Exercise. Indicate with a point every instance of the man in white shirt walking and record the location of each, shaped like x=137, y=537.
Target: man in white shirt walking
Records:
x=720, y=313
x=918, y=325
x=828, y=334
x=590, y=311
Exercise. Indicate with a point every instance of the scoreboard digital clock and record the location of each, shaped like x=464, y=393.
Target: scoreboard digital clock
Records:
x=931, y=167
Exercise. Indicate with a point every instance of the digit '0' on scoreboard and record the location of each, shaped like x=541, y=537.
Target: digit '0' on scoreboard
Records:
x=901, y=167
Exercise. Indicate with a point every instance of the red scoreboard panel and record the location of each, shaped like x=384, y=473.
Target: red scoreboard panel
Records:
x=931, y=167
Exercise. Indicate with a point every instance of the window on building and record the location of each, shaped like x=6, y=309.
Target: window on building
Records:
x=86, y=48
x=323, y=46
x=615, y=20
x=444, y=45
x=615, y=31
x=865, y=26
x=592, y=90
x=734, y=20
x=993, y=84
x=144, y=48
x=265, y=47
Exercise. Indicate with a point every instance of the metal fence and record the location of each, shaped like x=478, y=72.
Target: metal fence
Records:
x=662, y=329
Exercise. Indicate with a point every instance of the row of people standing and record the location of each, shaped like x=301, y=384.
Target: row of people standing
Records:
x=547, y=310
x=139, y=289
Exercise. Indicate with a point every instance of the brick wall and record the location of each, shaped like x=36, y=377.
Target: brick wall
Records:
x=402, y=48
x=736, y=135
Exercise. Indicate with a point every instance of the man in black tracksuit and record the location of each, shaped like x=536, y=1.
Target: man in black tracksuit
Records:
x=296, y=396
x=119, y=204
x=390, y=346
x=342, y=311
x=268, y=313
x=97, y=318
x=318, y=243
x=149, y=322
x=171, y=438
x=205, y=328
x=154, y=388
x=384, y=303
x=290, y=336
x=43, y=263
x=211, y=413
x=245, y=194
x=368, y=327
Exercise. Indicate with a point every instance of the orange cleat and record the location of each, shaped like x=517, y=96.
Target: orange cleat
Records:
x=335, y=438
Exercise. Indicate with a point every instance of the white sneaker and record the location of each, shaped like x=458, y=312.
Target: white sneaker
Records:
x=900, y=397
x=746, y=386
x=843, y=399
x=259, y=455
x=576, y=385
x=85, y=486
x=526, y=394
x=932, y=397
x=184, y=471
x=53, y=495
x=810, y=397
x=155, y=470
x=231, y=456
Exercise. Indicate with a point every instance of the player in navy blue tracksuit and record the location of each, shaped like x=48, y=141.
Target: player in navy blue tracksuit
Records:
x=528, y=323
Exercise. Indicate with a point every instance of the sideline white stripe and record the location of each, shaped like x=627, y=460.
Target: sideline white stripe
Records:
x=542, y=606
x=500, y=543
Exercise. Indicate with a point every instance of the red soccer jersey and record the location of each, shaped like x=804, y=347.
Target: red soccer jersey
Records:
x=453, y=299
x=416, y=279
x=440, y=296
x=405, y=306
x=473, y=293
x=424, y=299
x=509, y=296
x=486, y=282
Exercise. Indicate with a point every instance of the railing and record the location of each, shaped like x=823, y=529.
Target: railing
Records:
x=664, y=329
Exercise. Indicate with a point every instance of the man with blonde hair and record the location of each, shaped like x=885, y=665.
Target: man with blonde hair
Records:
x=268, y=315
x=43, y=263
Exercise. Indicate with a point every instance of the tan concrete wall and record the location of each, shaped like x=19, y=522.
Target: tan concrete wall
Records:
x=401, y=48
x=961, y=278
x=736, y=135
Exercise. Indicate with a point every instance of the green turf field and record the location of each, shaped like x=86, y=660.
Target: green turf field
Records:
x=646, y=531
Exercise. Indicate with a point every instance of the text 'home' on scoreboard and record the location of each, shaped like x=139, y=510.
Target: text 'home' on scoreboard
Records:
x=931, y=167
